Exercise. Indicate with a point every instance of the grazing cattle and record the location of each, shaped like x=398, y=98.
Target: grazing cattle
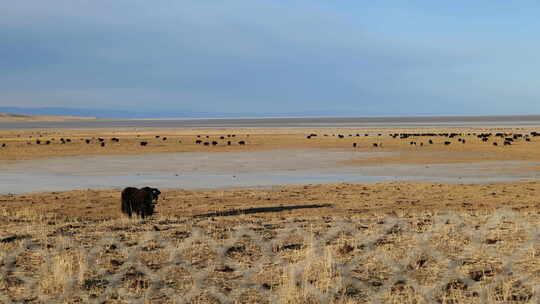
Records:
x=214, y=143
x=38, y=142
x=341, y=136
x=228, y=143
x=157, y=136
x=87, y=141
x=430, y=142
x=115, y=139
x=375, y=145
x=3, y=145
x=354, y=145
x=507, y=143
x=102, y=144
x=198, y=141
x=48, y=142
x=164, y=138
x=527, y=139
x=206, y=143
x=139, y=201
x=242, y=142
x=495, y=144
x=222, y=137
x=143, y=143
x=446, y=143
x=101, y=139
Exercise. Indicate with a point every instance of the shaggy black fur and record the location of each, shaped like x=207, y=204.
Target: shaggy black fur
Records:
x=139, y=201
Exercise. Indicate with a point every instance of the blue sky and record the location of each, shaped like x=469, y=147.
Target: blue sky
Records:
x=262, y=57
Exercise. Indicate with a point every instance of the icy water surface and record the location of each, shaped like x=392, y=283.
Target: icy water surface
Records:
x=209, y=170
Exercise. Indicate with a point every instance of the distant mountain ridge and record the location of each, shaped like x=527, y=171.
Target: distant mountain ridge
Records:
x=120, y=114
x=82, y=113
x=24, y=117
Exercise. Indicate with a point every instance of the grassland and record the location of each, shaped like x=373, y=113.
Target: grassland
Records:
x=400, y=242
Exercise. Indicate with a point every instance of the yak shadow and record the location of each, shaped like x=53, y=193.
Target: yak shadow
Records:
x=261, y=210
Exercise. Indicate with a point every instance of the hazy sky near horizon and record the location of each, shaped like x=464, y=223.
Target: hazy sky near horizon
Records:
x=281, y=56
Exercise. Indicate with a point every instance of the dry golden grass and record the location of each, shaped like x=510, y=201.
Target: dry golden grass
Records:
x=387, y=242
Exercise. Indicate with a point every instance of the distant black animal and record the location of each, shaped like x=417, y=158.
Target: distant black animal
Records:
x=143, y=143
x=354, y=145
x=102, y=144
x=3, y=145
x=87, y=141
x=198, y=141
x=241, y=142
x=139, y=201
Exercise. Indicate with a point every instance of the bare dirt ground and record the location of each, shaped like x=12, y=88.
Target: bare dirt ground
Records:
x=403, y=242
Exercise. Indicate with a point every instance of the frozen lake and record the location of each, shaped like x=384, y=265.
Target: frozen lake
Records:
x=209, y=170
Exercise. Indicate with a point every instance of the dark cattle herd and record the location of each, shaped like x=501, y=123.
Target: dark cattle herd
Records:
x=506, y=139
x=413, y=139
x=198, y=141
x=102, y=142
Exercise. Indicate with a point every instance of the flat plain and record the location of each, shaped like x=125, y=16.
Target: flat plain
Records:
x=408, y=242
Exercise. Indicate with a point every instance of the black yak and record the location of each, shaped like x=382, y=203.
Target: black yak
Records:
x=139, y=201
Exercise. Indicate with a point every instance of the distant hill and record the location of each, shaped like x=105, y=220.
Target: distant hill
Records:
x=23, y=117
x=151, y=114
